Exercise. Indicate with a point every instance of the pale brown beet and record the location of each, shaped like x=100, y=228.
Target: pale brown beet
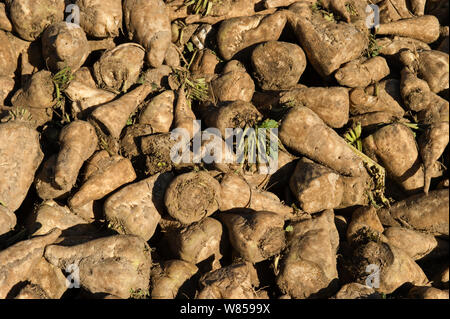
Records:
x=112, y=117
x=17, y=260
x=256, y=236
x=31, y=17
x=234, y=84
x=100, y=20
x=394, y=266
x=237, y=114
x=426, y=213
x=173, y=274
x=119, y=68
x=198, y=242
x=308, y=266
x=331, y=104
x=424, y=28
x=7, y=220
x=193, y=196
x=21, y=155
x=5, y=24
x=158, y=112
x=424, y=292
x=232, y=282
x=44, y=181
x=395, y=147
x=50, y=215
x=380, y=97
x=416, y=244
x=278, y=65
x=313, y=30
x=137, y=208
x=431, y=146
x=8, y=61
x=148, y=23
x=237, y=193
x=317, y=188
x=37, y=92
x=362, y=74
x=364, y=220
x=78, y=142
x=125, y=255
x=415, y=92
x=304, y=132
x=236, y=34
x=112, y=172
x=391, y=46
x=64, y=45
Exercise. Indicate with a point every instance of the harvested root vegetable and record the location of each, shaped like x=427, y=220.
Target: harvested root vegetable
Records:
x=112, y=117
x=415, y=91
x=237, y=193
x=38, y=92
x=119, y=68
x=424, y=28
x=173, y=275
x=393, y=45
x=309, y=263
x=416, y=244
x=85, y=97
x=44, y=181
x=372, y=119
x=396, y=148
x=112, y=172
x=78, y=142
x=193, y=196
x=234, y=84
x=356, y=291
x=236, y=281
x=128, y=257
x=47, y=278
x=237, y=34
x=6, y=87
x=331, y=104
x=431, y=145
x=99, y=20
x=379, y=97
x=364, y=221
x=421, y=212
x=393, y=266
x=317, y=188
x=5, y=24
x=17, y=260
x=278, y=65
x=237, y=114
x=256, y=236
x=425, y=292
x=8, y=61
x=183, y=116
x=433, y=68
x=157, y=149
x=148, y=23
x=21, y=155
x=362, y=74
x=50, y=215
x=31, y=17
x=136, y=209
x=64, y=45
x=7, y=220
x=158, y=112
x=198, y=242
x=304, y=132
x=313, y=31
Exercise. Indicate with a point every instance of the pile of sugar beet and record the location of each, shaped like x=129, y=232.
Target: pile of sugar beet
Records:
x=93, y=206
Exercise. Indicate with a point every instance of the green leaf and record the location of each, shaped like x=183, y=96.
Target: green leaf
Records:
x=289, y=229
